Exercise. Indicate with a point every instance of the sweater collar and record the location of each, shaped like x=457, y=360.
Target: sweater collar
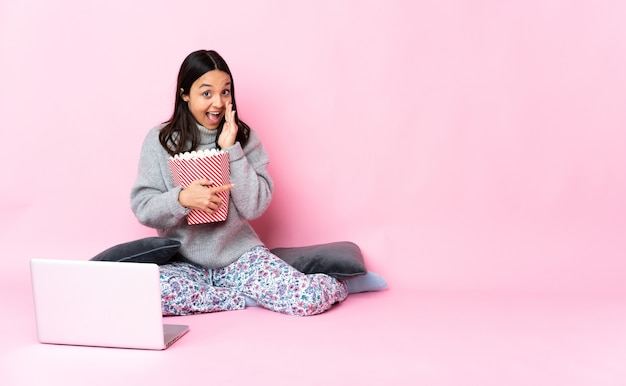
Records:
x=207, y=136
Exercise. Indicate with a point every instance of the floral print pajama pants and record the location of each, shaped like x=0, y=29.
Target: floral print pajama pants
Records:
x=272, y=283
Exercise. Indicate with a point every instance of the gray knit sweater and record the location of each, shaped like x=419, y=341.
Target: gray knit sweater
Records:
x=154, y=200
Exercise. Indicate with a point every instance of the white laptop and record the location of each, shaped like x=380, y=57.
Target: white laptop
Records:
x=100, y=303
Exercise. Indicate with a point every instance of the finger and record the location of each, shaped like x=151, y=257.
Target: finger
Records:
x=212, y=206
x=204, y=182
x=232, y=114
x=223, y=188
x=229, y=109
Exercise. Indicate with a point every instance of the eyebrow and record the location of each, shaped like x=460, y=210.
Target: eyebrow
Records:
x=209, y=85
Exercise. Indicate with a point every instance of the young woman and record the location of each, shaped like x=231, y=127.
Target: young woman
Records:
x=226, y=265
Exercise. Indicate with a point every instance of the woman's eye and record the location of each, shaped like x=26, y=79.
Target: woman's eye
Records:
x=206, y=94
x=226, y=92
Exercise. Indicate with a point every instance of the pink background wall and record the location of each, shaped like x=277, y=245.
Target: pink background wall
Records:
x=464, y=145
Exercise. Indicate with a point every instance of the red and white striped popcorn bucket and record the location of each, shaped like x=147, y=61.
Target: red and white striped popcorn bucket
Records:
x=191, y=167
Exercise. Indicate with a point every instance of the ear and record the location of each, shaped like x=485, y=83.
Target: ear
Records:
x=184, y=96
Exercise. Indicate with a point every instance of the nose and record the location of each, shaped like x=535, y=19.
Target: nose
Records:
x=217, y=101
x=220, y=101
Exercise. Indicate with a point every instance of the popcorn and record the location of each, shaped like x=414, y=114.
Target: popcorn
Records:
x=197, y=154
x=211, y=164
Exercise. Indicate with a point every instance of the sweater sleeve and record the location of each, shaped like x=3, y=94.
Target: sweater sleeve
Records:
x=248, y=171
x=154, y=197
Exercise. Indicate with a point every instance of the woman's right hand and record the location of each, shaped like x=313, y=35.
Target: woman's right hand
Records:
x=202, y=195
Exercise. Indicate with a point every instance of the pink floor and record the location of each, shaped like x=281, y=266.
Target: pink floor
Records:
x=394, y=337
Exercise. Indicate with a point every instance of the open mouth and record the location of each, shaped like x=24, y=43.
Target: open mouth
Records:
x=214, y=117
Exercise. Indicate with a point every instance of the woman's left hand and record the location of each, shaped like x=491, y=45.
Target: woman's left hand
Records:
x=228, y=137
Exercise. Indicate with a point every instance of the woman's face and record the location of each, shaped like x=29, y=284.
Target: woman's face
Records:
x=208, y=97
